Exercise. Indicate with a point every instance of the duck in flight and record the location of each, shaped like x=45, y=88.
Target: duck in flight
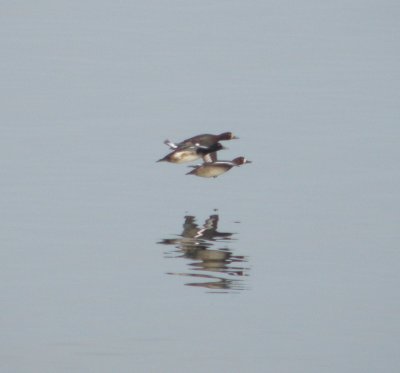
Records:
x=203, y=146
x=202, y=140
x=214, y=169
x=189, y=153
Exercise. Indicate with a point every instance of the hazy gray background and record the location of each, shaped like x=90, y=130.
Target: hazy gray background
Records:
x=89, y=91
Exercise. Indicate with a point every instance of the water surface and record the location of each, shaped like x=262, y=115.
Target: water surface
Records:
x=98, y=272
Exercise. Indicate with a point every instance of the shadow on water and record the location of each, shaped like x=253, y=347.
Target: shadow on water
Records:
x=216, y=269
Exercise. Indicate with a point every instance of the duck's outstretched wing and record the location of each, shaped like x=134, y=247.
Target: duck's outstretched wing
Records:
x=210, y=157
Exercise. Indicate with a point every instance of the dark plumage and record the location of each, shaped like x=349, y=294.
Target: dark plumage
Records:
x=202, y=140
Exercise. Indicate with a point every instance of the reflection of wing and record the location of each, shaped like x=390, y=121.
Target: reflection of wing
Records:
x=190, y=228
x=211, y=222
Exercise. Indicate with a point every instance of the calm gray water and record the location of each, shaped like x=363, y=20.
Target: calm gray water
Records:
x=111, y=262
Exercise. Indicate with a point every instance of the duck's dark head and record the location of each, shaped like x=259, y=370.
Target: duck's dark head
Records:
x=227, y=136
x=240, y=160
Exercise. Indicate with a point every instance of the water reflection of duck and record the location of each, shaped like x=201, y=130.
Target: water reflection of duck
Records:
x=207, y=232
x=195, y=243
x=206, y=255
x=214, y=283
x=195, y=236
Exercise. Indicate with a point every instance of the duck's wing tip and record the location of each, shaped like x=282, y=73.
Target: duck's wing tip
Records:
x=171, y=144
